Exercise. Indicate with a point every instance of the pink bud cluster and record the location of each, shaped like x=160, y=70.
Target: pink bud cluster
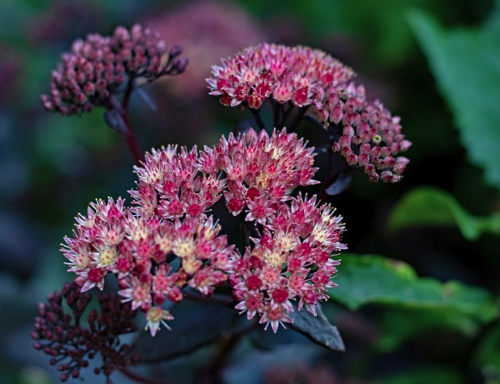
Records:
x=369, y=137
x=96, y=67
x=168, y=221
x=296, y=74
x=71, y=344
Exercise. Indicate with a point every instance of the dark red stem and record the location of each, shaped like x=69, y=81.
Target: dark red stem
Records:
x=141, y=379
x=132, y=142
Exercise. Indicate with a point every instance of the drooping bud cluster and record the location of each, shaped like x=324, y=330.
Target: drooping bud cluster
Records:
x=71, y=343
x=368, y=136
x=98, y=66
x=168, y=222
x=363, y=132
x=297, y=74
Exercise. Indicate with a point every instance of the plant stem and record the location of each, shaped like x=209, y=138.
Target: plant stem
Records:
x=126, y=129
x=228, y=342
x=133, y=144
x=276, y=112
x=141, y=379
x=214, y=298
x=290, y=107
x=258, y=118
x=298, y=117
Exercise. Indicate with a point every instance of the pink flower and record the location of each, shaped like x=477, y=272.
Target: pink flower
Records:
x=155, y=317
x=262, y=170
x=271, y=71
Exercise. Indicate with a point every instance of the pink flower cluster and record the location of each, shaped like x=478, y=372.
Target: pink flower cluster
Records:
x=97, y=66
x=168, y=221
x=291, y=260
x=138, y=244
x=261, y=170
x=364, y=133
x=297, y=74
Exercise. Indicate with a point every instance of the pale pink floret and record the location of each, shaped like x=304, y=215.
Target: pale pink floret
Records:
x=155, y=317
x=138, y=293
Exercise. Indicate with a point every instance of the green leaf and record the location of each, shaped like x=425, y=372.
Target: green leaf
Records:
x=399, y=326
x=425, y=375
x=431, y=206
x=487, y=356
x=466, y=64
x=374, y=279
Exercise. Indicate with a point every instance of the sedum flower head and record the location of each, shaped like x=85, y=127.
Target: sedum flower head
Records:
x=290, y=261
x=167, y=223
x=261, y=170
x=99, y=66
x=271, y=71
x=364, y=133
x=167, y=241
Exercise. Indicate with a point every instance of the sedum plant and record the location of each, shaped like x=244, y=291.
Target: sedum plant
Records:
x=167, y=246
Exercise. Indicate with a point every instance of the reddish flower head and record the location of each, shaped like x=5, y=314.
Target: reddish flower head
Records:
x=297, y=74
x=99, y=65
x=290, y=261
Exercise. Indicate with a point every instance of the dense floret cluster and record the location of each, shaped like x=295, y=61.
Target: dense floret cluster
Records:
x=98, y=66
x=271, y=71
x=168, y=221
x=365, y=133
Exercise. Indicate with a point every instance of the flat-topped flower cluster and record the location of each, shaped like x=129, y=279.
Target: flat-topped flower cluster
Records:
x=167, y=240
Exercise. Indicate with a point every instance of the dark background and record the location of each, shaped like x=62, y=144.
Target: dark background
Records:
x=51, y=166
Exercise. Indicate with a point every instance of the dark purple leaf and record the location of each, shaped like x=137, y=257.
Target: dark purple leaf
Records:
x=341, y=183
x=317, y=328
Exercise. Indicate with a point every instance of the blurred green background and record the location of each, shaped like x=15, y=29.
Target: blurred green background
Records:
x=434, y=63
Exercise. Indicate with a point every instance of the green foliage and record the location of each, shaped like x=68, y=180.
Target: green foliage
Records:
x=388, y=33
x=466, y=65
x=429, y=206
x=488, y=354
x=400, y=326
x=374, y=279
x=425, y=375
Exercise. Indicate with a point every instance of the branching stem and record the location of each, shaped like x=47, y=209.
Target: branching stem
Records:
x=142, y=379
